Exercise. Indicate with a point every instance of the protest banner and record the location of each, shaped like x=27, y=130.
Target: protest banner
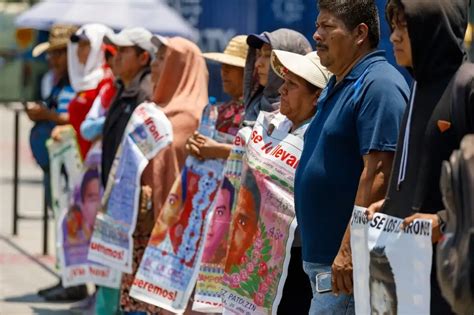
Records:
x=263, y=223
x=75, y=226
x=65, y=168
x=170, y=265
x=207, y=297
x=391, y=266
x=148, y=131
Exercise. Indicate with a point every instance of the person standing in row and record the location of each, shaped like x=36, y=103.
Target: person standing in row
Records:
x=349, y=145
x=230, y=114
x=132, y=66
x=439, y=115
x=47, y=117
x=261, y=84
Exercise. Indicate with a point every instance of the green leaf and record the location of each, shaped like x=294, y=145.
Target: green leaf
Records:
x=254, y=284
x=247, y=287
x=266, y=258
x=234, y=269
x=266, y=249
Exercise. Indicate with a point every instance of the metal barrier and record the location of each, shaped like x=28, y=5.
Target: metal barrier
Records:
x=18, y=109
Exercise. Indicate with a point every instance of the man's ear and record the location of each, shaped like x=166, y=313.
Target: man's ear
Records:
x=144, y=58
x=316, y=95
x=361, y=33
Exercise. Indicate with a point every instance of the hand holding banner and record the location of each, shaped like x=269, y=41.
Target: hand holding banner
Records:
x=392, y=266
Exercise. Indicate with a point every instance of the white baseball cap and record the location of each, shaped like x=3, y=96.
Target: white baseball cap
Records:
x=306, y=66
x=134, y=36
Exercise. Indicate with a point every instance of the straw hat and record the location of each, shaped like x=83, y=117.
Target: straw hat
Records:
x=234, y=54
x=58, y=38
x=306, y=66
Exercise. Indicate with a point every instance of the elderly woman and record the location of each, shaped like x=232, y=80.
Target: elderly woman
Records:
x=304, y=79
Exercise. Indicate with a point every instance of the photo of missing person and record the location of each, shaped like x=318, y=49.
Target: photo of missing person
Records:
x=90, y=196
x=382, y=287
x=75, y=230
x=171, y=211
x=216, y=240
x=245, y=220
x=80, y=217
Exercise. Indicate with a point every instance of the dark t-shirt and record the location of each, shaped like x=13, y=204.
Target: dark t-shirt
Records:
x=362, y=113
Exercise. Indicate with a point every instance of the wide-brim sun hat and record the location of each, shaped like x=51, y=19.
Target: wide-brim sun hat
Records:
x=234, y=54
x=58, y=38
x=307, y=67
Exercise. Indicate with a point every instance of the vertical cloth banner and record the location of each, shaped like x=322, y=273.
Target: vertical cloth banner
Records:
x=263, y=223
x=146, y=134
x=169, y=268
x=207, y=297
x=65, y=169
x=391, y=266
x=65, y=166
x=75, y=229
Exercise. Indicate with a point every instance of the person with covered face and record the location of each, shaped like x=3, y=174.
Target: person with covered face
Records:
x=88, y=75
x=438, y=116
x=180, y=80
x=304, y=79
x=349, y=145
x=261, y=84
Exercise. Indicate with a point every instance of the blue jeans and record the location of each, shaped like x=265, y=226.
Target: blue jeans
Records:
x=327, y=303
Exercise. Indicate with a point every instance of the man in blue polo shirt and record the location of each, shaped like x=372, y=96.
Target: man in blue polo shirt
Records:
x=349, y=146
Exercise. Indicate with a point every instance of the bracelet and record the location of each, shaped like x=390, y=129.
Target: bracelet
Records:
x=441, y=223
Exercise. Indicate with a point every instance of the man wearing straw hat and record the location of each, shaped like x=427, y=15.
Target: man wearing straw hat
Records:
x=53, y=111
x=61, y=92
x=232, y=62
x=46, y=115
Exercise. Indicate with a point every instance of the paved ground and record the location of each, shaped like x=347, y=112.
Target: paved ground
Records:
x=23, y=268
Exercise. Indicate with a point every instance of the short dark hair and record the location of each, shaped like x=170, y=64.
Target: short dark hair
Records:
x=355, y=12
x=393, y=9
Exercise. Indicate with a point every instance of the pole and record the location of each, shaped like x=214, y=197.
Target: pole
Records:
x=15, y=172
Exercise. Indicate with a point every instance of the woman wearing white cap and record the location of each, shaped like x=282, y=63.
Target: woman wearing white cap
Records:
x=304, y=79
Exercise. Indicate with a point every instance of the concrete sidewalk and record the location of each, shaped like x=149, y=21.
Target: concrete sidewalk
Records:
x=23, y=269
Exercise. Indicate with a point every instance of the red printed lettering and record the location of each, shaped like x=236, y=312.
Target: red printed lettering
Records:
x=154, y=289
x=107, y=251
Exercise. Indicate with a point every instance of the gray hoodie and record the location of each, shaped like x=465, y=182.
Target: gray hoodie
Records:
x=267, y=99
